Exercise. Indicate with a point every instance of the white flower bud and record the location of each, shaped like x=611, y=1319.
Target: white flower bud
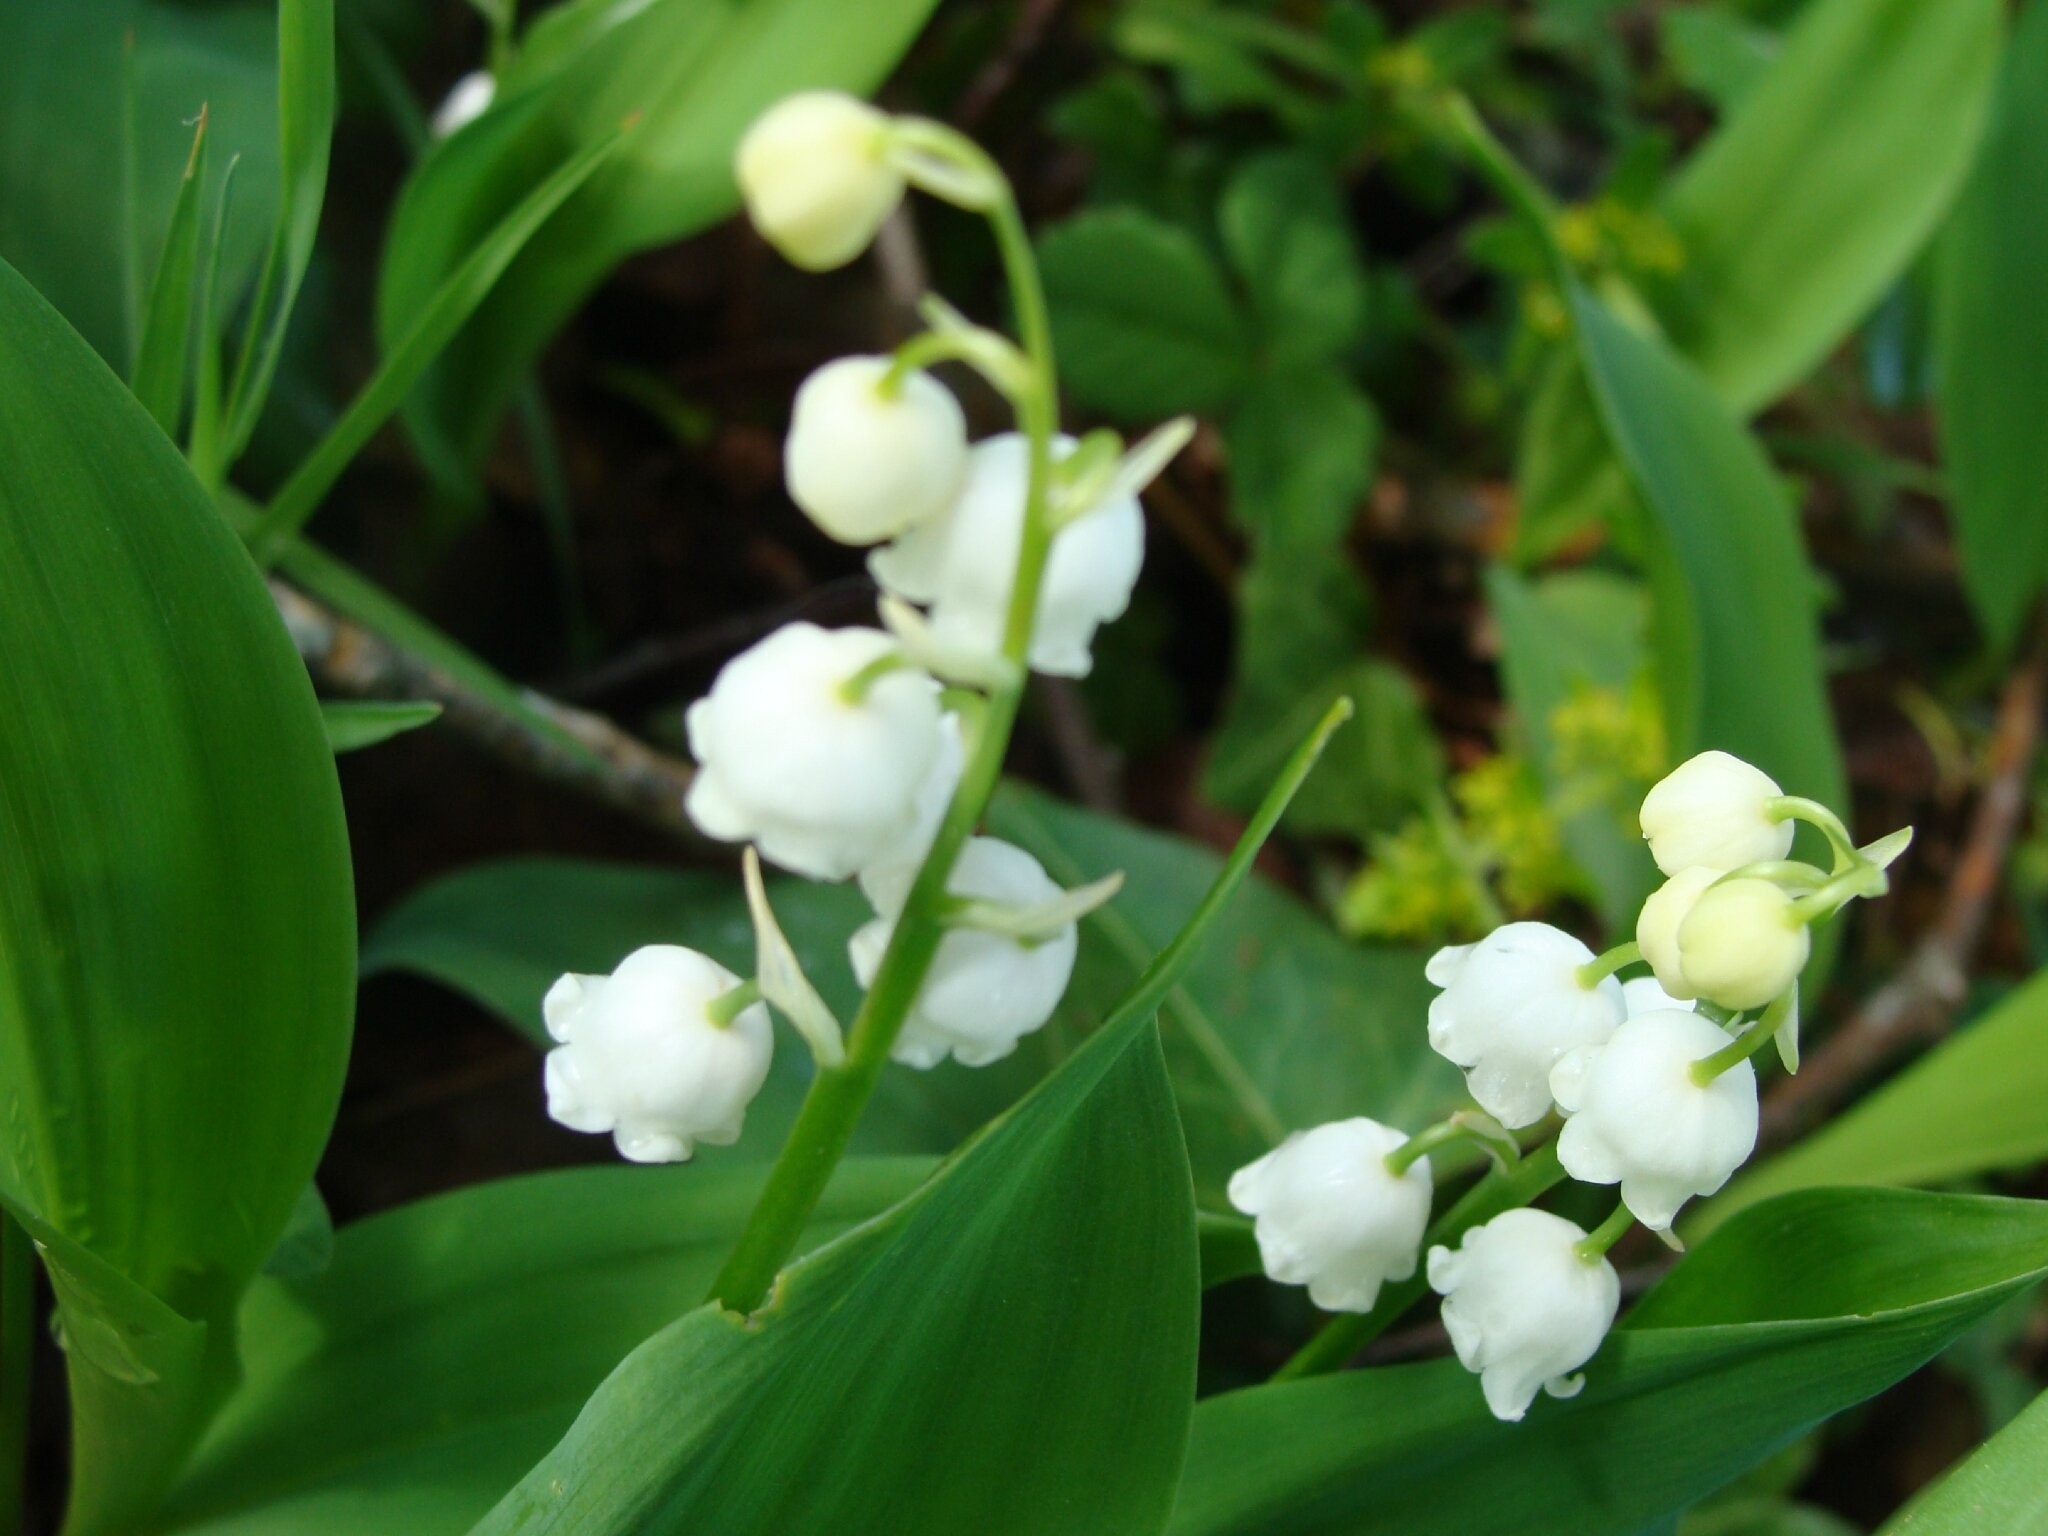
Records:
x=984, y=991
x=964, y=563
x=1657, y=926
x=1639, y=1120
x=1523, y=1308
x=1642, y=994
x=640, y=1056
x=1332, y=1216
x=824, y=784
x=467, y=100
x=815, y=172
x=1512, y=1004
x=1714, y=810
x=867, y=462
x=1742, y=943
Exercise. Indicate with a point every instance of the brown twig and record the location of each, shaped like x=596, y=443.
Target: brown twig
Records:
x=1034, y=21
x=572, y=747
x=1919, y=1001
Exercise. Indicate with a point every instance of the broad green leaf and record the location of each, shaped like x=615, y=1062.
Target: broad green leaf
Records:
x=451, y=1342
x=353, y=726
x=1146, y=326
x=1992, y=339
x=414, y=352
x=66, y=176
x=1280, y=1025
x=694, y=73
x=1567, y=484
x=177, y=946
x=1999, y=1491
x=1562, y=637
x=1717, y=52
x=1302, y=450
x=1736, y=638
x=307, y=1246
x=1792, y=1312
x=1810, y=200
x=1971, y=1105
x=159, y=375
x=1288, y=234
x=1010, y=1350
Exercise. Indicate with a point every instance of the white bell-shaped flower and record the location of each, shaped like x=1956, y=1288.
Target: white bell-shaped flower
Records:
x=1714, y=810
x=816, y=173
x=868, y=457
x=985, y=991
x=1742, y=943
x=641, y=1057
x=823, y=781
x=1523, y=1307
x=1512, y=1004
x=467, y=100
x=964, y=563
x=1657, y=926
x=1643, y=994
x=1638, y=1119
x=886, y=880
x=1331, y=1215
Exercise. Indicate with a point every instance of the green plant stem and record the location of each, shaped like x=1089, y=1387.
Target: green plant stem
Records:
x=17, y=1352
x=838, y=1095
x=1814, y=814
x=1502, y=171
x=1602, y=966
x=1595, y=1244
x=1736, y=1051
x=1342, y=1337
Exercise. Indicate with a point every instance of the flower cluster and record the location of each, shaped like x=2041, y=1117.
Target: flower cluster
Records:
x=1652, y=1077
x=846, y=754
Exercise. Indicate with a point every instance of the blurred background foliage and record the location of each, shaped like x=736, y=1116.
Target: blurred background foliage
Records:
x=1733, y=446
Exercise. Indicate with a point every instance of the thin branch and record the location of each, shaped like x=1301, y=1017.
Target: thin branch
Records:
x=1920, y=1001
x=1027, y=35
x=619, y=770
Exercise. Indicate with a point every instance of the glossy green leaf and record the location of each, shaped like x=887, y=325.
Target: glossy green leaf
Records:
x=1971, y=1105
x=66, y=176
x=694, y=73
x=451, y=1342
x=1992, y=339
x=1145, y=324
x=1303, y=446
x=1287, y=232
x=1011, y=1349
x=1998, y=1491
x=159, y=375
x=353, y=726
x=1280, y=1025
x=1561, y=637
x=1794, y=1311
x=1736, y=637
x=177, y=948
x=1808, y=203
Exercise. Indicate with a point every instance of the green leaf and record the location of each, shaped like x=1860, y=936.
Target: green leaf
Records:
x=67, y=178
x=353, y=726
x=695, y=73
x=1793, y=1312
x=1560, y=636
x=1567, y=483
x=1809, y=202
x=1999, y=1491
x=307, y=1246
x=1717, y=53
x=408, y=360
x=1992, y=329
x=159, y=375
x=474, y=1324
x=1279, y=1024
x=1286, y=230
x=1737, y=645
x=1145, y=324
x=1302, y=450
x=1971, y=1105
x=1011, y=1349
x=177, y=948
x=1304, y=624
